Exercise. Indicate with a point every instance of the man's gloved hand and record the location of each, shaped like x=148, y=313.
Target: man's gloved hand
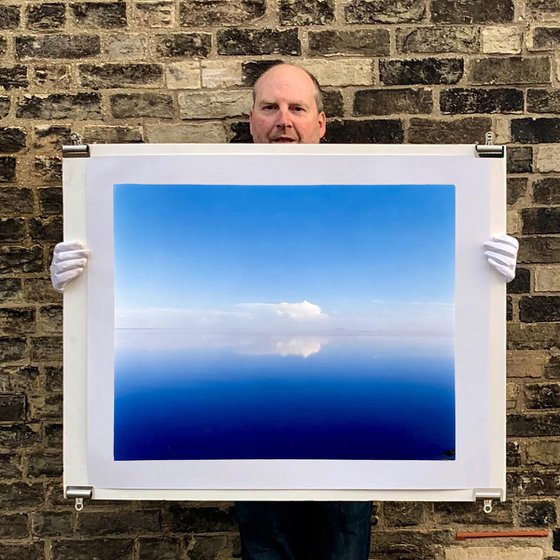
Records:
x=68, y=262
x=501, y=252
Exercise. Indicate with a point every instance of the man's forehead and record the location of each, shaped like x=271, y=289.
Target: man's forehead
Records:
x=284, y=79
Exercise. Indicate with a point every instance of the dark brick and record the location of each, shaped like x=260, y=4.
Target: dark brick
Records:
x=200, y=519
x=539, y=250
x=53, y=378
x=46, y=17
x=51, y=137
x=10, y=290
x=252, y=70
x=12, y=140
x=14, y=526
x=13, y=349
x=541, y=220
x=7, y=170
x=46, y=349
x=136, y=105
x=545, y=38
x=53, y=436
x=50, y=319
x=537, y=514
x=469, y=130
x=258, y=42
x=240, y=133
x=51, y=523
x=392, y=101
x=474, y=11
x=333, y=104
x=521, y=284
x=44, y=464
x=384, y=11
x=535, y=131
x=442, y=39
x=200, y=13
x=21, y=259
x=19, y=495
x=57, y=46
x=513, y=454
x=18, y=436
x=542, y=395
x=173, y=45
x=119, y=523
x=162, y=549
x=534, y=424
x=421, y=71
x=519, y=159
x=543, y=101
x=547, y=6
x=509, y=309
x=112, y=134
x=539, y=484
x=20, y=379
x=306, y=12
x=209, y=546
x=499, y=100
x=12, y=229
x=104, y=15
x=94, y=549
x=119, y=75
x=48, y=408
x=510, y=71
x=538, y=309
x=471, y=513
x=4, y=106
x=556, y=539
x=49, y=170
x=12, y=408
x=403, y=514
x=3, y=46
x=17, y=320
x=78, y=106
x=408, y=545
x=39, y=290
x=363, y=42
x=13, y=77
x=552, y=368
x=516, y=189
x=9, y=17
x=50, y=200
x=33, y=551
x=380, y=131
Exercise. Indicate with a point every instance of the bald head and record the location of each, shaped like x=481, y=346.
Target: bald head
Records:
x=287, y=107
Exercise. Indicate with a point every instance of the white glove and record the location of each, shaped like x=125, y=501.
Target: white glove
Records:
x=68, y=262
x=501, y=252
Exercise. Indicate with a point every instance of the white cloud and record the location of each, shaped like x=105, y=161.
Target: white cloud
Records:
x=298, y=311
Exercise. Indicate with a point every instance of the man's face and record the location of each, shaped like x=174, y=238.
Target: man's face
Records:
x=285, y=109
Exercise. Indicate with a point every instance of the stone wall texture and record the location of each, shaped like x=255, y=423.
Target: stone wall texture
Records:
x=394, y=71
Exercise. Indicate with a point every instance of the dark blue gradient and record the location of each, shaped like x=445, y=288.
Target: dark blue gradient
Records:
x=340, y=403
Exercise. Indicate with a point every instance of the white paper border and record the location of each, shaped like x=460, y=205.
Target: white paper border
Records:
x=480, y=321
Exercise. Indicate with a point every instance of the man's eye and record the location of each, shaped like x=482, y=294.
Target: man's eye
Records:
x=298, y=109
x=268, y=107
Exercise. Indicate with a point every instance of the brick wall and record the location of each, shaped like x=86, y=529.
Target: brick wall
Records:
x=180, y=71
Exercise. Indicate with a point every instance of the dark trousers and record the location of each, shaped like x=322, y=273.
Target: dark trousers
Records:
x=304, y=530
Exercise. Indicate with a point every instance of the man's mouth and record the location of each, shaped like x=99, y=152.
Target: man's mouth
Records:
x=283, y=140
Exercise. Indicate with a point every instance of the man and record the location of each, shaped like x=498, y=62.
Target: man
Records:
x=287, y=108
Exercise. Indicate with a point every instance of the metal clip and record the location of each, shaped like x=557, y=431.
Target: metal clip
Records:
x=487, y=508
x=489, y=149
x=79, y=493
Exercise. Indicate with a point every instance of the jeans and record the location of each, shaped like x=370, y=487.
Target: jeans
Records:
x=304, y=530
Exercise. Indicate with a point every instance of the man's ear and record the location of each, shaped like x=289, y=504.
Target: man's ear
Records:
x=251, y=122
x=322, y=124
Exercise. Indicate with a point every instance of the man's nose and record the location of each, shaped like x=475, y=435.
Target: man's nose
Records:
x=283, y=118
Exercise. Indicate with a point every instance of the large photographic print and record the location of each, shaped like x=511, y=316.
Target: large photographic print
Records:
x=284, y=322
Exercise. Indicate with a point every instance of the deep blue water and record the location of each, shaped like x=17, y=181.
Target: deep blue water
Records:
x=350, y=400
